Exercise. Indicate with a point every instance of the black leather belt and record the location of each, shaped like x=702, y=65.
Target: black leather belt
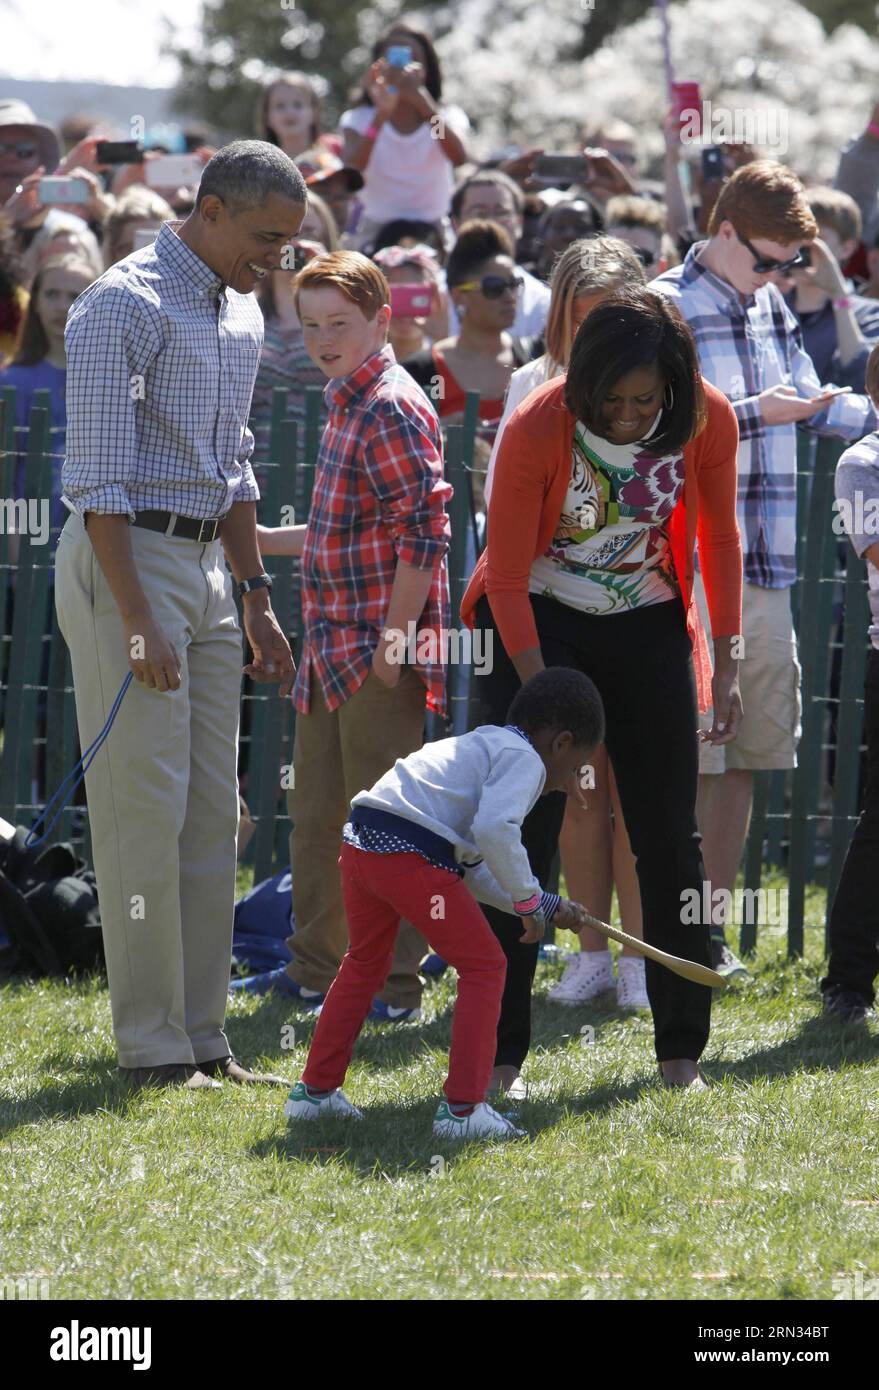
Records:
x=189, y=528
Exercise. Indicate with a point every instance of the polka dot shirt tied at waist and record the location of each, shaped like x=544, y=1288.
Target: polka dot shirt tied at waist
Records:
x=459, y=803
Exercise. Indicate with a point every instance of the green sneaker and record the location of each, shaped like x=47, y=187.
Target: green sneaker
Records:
x=481, y=1123
x=301, y=1106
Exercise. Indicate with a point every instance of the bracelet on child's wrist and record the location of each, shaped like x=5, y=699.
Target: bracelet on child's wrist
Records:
x=527, y=906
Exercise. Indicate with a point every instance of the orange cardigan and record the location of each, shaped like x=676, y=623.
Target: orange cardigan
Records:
x=532, y=473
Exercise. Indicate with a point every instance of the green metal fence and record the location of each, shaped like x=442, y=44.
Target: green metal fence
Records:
x=799, y=823
x=791, y=807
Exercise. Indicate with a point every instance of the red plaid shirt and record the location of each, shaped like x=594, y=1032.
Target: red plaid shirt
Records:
x=379, y=497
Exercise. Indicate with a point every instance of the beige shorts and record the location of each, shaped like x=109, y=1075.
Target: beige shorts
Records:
x=769, y=679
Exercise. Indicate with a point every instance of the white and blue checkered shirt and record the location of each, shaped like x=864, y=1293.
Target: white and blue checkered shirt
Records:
x=746, y=344
x=161, y=361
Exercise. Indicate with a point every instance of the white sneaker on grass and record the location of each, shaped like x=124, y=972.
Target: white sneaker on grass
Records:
x=631, y=983
x=481, y=1123
x=301, y=1106
x=589, y=974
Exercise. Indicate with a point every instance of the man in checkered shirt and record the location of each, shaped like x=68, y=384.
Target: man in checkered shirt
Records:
x=750, y=346
x=162, y=353
x=374, y=585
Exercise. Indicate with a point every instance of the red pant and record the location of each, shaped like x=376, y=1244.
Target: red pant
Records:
x=379, y=889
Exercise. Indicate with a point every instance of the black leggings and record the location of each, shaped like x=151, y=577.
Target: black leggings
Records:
x=854, y=917
x=641, y=662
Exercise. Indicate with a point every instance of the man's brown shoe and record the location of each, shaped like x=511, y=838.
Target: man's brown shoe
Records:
x=227, y=1069
x=184, y=1074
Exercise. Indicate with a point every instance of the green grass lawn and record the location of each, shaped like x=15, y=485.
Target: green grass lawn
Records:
x=766, y=1187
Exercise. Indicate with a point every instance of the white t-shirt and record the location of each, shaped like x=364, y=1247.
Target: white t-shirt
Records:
x=407, y=175
x=531, y=311
x=524, y=380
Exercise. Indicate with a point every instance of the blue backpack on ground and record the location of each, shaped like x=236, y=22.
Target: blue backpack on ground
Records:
x=263, y=921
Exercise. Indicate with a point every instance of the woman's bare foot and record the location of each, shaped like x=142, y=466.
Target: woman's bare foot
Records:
x=503, y=1077
x=681, y=1072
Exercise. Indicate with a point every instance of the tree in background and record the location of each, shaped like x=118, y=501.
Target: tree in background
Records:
x=773, y=63
x=528, y=73
x=244, y=43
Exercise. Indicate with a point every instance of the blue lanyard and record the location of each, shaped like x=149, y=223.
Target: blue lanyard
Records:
x=74, y=777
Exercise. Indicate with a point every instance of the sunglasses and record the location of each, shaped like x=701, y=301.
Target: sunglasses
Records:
x=22, y=149
x=647, y=258
x=493, y=286
x=764, y=264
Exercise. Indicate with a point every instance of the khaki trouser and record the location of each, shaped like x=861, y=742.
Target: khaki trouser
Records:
x=770, y=678
x=335, y=756
x=162, y=792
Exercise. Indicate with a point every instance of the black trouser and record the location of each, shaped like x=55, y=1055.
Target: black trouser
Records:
x=854, y=917
x=641, y=662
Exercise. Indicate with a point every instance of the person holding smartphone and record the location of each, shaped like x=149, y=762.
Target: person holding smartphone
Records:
x=402, y=137
x=750, y=346
x=484, y=285
x=839, y=327
x=409, y=268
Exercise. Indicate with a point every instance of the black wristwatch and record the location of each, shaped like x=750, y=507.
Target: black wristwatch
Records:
x=262, y=581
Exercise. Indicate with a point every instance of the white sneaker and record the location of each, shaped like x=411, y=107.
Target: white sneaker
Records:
x=481, y=1123
x=301, y=1106
x=590, y=973
x=631, y=983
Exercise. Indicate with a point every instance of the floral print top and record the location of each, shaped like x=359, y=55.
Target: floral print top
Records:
x=610, y=551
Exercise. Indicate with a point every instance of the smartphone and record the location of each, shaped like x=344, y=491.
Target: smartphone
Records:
x=559, y=170
x=832, y=391
x=145, y=236
x=399, y=55
x=119, y=152
x=410, y=301
x=62, y=190
x=173, y=171
x=686, y=96
x=712, y=164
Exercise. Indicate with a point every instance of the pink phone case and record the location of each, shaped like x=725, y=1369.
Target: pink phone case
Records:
x=410, y=301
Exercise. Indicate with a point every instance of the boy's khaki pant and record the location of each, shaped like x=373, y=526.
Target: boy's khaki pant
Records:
x=162, y=791
x=335, y=756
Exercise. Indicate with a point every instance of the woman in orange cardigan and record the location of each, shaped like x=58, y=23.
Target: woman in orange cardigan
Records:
x=603, y=482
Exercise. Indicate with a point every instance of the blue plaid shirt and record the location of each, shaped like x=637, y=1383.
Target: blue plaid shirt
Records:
x=161, y=361
x=747, y=343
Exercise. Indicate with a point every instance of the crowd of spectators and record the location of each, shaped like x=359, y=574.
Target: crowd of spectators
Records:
x=493, y=265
